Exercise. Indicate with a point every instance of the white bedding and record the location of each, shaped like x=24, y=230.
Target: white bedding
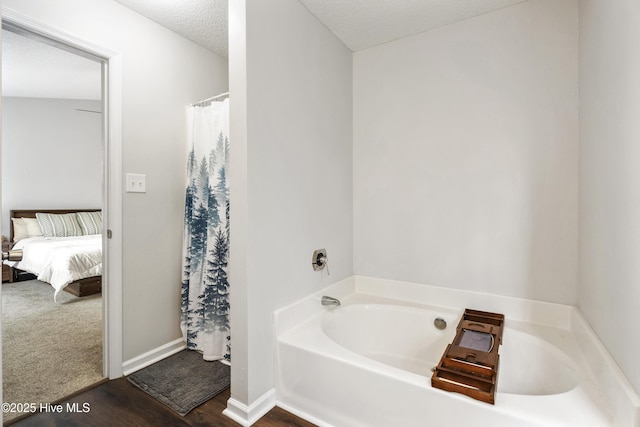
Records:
x=60, y=260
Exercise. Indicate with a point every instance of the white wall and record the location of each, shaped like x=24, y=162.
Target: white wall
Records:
x=291, y=160
x=52, y=155
x=161, y=73
x=465, y=154
x=609, y=294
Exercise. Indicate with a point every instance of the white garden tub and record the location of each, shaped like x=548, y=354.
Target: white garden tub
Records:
x=406, y=338
x=368, y=363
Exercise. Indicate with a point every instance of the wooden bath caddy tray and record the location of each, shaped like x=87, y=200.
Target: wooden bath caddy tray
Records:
x=470, y=363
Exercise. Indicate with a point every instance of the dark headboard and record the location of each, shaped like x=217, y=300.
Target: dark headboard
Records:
x=31, y=213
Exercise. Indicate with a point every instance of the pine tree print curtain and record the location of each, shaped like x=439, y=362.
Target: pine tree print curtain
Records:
x=205, y=287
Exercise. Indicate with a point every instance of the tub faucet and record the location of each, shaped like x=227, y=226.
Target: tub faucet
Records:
x=329, y=301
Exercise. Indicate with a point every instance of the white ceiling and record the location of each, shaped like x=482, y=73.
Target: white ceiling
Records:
x=34, y=69
x=362, y=24
x=29, y=66
x=201, y=21
x=358, y=23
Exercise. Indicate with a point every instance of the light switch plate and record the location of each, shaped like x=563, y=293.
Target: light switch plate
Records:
x=136, y=183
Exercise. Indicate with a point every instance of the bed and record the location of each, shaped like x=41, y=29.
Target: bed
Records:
x=68, y=254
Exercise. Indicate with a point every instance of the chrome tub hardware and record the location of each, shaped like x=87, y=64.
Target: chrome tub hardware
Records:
x=326, y=300
x=319, y=260
x=440, y=323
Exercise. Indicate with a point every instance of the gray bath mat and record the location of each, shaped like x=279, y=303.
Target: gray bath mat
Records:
x=183, y=381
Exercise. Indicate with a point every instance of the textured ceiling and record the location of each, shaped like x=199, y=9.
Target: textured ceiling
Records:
x=34, y=69
x=201, y=21
x=361, y=24
x=358, y=23
x=28, y=66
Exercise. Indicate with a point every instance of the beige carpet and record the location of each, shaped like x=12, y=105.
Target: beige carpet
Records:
x=49, y=349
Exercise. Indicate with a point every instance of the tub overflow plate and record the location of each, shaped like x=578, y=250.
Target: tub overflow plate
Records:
x=440, y=323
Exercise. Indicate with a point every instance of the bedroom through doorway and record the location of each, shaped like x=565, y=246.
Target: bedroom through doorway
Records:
x=53, y=197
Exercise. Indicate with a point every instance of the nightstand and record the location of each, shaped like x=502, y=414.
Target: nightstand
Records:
x=7, y=272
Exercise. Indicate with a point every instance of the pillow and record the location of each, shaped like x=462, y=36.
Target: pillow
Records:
x=90, y=222
x=19, y=229
x=33, y=228
x=59, y=225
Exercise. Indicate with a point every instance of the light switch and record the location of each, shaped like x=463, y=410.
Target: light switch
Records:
x=136, y=183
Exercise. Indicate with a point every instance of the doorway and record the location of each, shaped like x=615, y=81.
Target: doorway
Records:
x=106, y=110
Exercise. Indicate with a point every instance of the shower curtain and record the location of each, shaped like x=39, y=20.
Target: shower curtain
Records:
x=205, y=287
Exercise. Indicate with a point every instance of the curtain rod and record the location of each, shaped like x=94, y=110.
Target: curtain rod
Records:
x=213, y=98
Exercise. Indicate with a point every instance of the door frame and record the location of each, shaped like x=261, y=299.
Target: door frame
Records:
x=112, y=175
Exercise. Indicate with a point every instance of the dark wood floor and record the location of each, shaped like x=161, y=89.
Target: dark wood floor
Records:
x=119, y=403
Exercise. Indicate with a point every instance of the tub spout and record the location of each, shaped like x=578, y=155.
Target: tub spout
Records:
x=329, y=301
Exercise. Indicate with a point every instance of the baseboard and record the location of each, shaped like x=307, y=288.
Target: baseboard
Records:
x=247, y=415
x=150, y=357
